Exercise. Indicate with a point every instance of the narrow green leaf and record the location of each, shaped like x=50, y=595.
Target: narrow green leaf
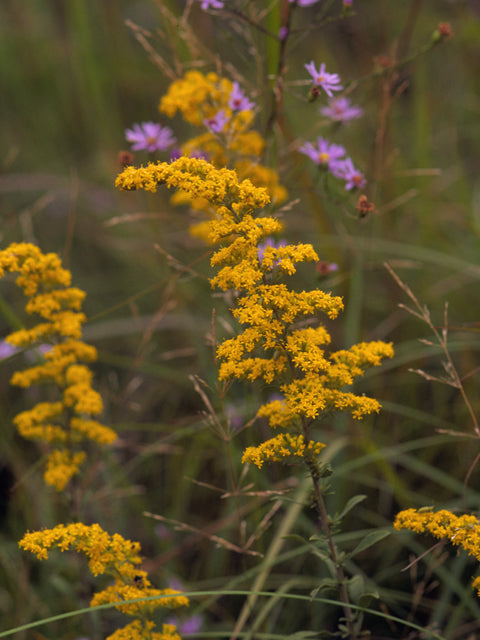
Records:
x=369, y=540
x=350, y=505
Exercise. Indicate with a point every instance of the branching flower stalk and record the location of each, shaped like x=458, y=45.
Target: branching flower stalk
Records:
x=278, y=343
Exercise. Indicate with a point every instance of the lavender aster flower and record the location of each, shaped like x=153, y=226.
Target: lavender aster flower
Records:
x=7, y=350
x=238, y=101
x=217, y=122
x=177, y=153
x=269, y=242
x=345, y=170
x=234, y=416
x=190, y=625
x=304, y=3
x=324, y=268
x=328, y=81
x=150, y=136
x=212, y=4
x=324, y=154
x=340, y=110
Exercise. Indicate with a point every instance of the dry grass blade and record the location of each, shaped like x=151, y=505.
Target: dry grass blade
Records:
x=142, y=36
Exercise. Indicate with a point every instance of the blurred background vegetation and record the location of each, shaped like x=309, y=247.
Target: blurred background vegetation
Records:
x=74, y=75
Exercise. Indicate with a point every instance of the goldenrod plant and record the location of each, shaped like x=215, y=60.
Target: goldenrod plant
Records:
x=458, y=530
x=118, y=558
x=65, y=424
x=275, y=345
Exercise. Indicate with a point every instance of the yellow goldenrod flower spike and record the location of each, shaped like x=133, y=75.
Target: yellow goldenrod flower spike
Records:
x=201, y=99
x=283, y=446
x=461, y=531
x=66, y=423
x=199, y=179
x=119, y=558
x=140, y=630
x=271, y=346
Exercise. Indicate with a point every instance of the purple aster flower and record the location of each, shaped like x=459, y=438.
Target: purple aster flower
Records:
x=324, y=154
x=177, y=153
x=328, y=81
x=340, y=110
x=345, y=170
x=304, y=3
x=190, y=625
x=150, y=136
x=234, y=416
x=324, y=268
x=162, y=531
x=176, y=584
x=39, y=351
x=7, y=350
x=217, y=122
x=212, y=4
x=238, y=101
x=269, y=242
x=44, y=348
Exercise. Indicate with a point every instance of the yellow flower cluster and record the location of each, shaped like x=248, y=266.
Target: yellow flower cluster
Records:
x=199, y=97
x=65, y=423
x=200, y=180
x=461, y=531
x=139, y=630
x=282, y=446
x=115, y=556
x=271, y=346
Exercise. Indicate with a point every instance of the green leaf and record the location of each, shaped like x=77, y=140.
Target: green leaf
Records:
x=366, y=598
x=327, y=584
x=356, y=588
x=350, y=505
x=369, y=540
x=295, y=537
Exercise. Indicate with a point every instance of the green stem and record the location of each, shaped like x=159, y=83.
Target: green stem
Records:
x=327, y=529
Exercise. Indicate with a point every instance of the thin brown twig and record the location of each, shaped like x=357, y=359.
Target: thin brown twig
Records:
x=441, y=336
x=221, y=542
x=422, y=555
